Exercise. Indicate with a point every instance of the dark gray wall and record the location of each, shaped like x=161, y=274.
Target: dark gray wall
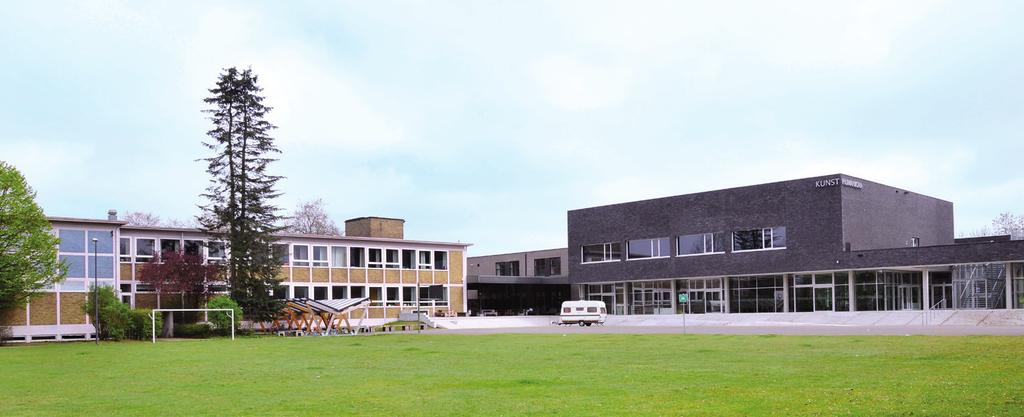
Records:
x=816, y=218
x=484, y=265
x=880, y=217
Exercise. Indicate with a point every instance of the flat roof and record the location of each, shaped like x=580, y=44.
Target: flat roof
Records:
x=84, y=220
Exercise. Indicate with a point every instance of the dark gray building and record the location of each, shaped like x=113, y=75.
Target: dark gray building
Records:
x=830, y=243
x=533, y=282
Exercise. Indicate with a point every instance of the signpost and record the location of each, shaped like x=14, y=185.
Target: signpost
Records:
x=683, y=299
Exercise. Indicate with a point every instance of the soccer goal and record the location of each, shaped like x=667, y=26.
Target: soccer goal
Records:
x=152, y=317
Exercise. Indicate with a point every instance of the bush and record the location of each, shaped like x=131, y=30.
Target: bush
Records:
x=193, y=330
x=5, y=333
x=221, y=320
x=118, y=320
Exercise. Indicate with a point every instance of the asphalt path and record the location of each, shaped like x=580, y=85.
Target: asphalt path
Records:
x=803, y=330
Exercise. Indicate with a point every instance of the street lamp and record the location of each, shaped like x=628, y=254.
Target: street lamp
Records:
x=96, y=288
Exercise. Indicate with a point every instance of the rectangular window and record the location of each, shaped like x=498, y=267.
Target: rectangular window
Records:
x=300, y=292
x=339, y=292
x=440, y=260
x=433, y=293
x=124, y=250
x=280, y=292
x=280, y=251
x=409, y=295
x=319, y=293
x=215, y=251
x=546, y=267
x=647, y=248
x=506, y=269
x=425, y=259
x=602, y=252
x=338, y=256
x=144, y=249
x=320, y=256
x=75, y=265
x=392, y=295
x=193, y=247
x=700, y=244
x=376, y=295
x=104, y=241
x=71, y=240
x=376, y=259
x=357, y=258
x=170, y=245
x=300, y=255
x=391, y=258
x=758, y=239
x=358, y=291
x=408, y=259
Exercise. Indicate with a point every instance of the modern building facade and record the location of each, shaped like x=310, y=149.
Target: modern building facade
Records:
x=372, y=260
x=534, y=282
x=831, y=243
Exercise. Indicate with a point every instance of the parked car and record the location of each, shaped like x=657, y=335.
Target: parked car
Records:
x=488, y=312
x=583, y=313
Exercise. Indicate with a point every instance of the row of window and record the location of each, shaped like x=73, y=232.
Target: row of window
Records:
x=696, y=244
x=396, y=294
x=542, y=267
x=358, y=257
x=145, y=248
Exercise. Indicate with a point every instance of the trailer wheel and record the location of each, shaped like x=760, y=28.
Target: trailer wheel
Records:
x=588, y=324
x=582, y=324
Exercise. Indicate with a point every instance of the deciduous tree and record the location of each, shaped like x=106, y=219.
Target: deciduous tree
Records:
x=310, y=217
x=28, y=250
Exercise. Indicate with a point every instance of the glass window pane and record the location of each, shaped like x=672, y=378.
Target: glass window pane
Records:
x=440, y=260
x=75, y=265
x=144, y=248
x=193, y=247
x=747, y=240
x=300, y=292
x=71, y=240
x=779, y=237
x=614, y=251
x=338, y=256
x=691, y=244
x=639, y=249
x=593, y=253
x=408, y=259
x=104, y=241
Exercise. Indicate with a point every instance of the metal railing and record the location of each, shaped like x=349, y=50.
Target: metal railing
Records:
x=929, y=315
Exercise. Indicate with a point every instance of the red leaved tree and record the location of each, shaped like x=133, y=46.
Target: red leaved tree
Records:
x=176, y=274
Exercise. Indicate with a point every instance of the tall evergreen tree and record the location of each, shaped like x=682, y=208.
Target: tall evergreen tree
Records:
x=239, y=209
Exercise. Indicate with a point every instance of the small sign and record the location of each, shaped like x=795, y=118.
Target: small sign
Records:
x=683, y=297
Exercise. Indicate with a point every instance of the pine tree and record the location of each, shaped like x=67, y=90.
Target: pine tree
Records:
x=239, y=210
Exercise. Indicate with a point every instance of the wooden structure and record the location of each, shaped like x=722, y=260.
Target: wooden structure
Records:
x=319, y=317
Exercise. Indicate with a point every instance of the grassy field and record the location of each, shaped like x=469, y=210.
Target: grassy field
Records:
x=520, y=374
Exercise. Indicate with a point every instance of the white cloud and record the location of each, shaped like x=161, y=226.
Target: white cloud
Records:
x=569, y=84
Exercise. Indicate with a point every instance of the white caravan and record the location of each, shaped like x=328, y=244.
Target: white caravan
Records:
x=583, y=313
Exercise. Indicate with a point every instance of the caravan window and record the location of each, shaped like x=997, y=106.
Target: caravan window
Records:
x=591, y=309
x=579, y=308
x=567, y=310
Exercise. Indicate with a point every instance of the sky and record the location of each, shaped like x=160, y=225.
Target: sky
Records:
x=485, y=121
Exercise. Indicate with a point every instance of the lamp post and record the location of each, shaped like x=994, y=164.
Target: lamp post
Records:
x=419, y=318
x=96, y=289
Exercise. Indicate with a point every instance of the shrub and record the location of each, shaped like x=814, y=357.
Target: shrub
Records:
x=221, y=320
x=193, y=330
x=115, y=317
x=141, y=329
x=5, y=333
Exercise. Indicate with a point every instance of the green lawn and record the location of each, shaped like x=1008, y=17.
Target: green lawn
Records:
x=520, y=374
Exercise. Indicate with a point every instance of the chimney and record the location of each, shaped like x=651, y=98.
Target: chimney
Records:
x=375, y=227
x=111, y=214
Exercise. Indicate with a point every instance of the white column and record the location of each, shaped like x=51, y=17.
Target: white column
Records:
x=926, y=302
x=725, y=294
x=1009, y=285
x=850, y=295
x=675, y=300
x=785, y=292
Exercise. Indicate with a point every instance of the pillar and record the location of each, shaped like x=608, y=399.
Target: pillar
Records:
x=1009, y=286
x=785, y=292
x=725, y=295
x=850, y=294
x=675, y=298
x=926, y=286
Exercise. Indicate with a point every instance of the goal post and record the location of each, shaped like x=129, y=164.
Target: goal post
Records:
x=152, y=317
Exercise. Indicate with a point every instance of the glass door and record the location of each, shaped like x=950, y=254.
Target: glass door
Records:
x=823, y=299
x=942, y=296
x=909, y=297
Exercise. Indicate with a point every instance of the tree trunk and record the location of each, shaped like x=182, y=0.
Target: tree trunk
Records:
x=168, y=330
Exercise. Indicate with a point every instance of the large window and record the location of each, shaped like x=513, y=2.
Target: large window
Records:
x=215, y=251
x=280, y=251
x=319, y=293
x=647, y=248
x=507, y=268
x=1018, y=286
x=300, y=292
x=193, y=247
x=170, y=245
x=440, y=260
x=761, y=294
x=319, y=255
x=358, y=258
x=144, y=249
x=433, y=293
x=546, y=267
x=602, y=252
x=425, y=259
x=408, y=259
x=300, y=255
x=339, y=292
x=758, y=239
x=887, y=290
x=338, y=256
x=701, y=244
x=125, y=249
x=391, y=260
x=376, y=259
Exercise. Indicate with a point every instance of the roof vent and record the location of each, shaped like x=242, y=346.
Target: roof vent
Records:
x=111, y=214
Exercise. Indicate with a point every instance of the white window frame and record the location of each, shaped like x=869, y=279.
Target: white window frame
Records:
x=606, y=251
x=447, y=260
x=393, y=265
x=375, y=265
x=706, y=236
x=135, y=253
x=654, y=249
x=334, y=262
x=223, y=249
x=295, y=259
x=401, y=260
x=320, y=263
x=430, y=259
x=362, y=258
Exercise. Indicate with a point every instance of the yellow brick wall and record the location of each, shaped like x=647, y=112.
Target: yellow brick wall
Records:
x=375, y=276
x=376, y=313
x=440, y=277
x=357, y=275
x=455, y=266
x=455, y=298
x=282, y=273
x=13, y=317
x=43, y=310
x=71, y=304
x=126, y=272
x=300, y=274
x=426, y=277
x=339, y=275
x=320, y=275
x=409, y=277
x=392, y=276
